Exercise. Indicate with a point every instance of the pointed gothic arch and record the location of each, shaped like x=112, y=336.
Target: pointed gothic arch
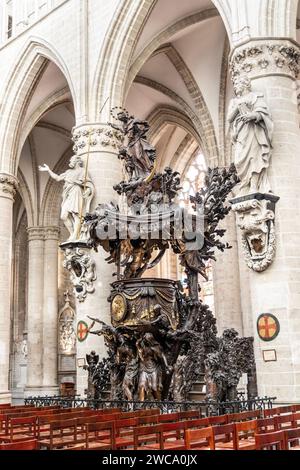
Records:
x=24, y=77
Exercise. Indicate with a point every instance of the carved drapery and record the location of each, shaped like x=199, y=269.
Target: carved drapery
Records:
x=256, y=212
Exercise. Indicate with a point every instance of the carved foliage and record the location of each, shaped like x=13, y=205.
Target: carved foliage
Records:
x=95, y=138
x=269, y=57
x=155, y=352
x=82, y=270
x=225, y=366
x=98, y=375
x=8, y=185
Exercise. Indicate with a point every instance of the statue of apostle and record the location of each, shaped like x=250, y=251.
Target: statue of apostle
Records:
x=78, y=192
x=152, y=358
x=252, y=131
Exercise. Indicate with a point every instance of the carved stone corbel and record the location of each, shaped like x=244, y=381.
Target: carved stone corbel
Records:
x=256, y=219
x=264, y=57
x=96, y=138
x=8, y=185
x=82, y=268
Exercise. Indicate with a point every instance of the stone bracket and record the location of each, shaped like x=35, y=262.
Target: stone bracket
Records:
x=82, y=268
x=256, y=219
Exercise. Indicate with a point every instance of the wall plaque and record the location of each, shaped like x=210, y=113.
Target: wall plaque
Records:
x=82, y=331
x=268, y=327
x=269, y=355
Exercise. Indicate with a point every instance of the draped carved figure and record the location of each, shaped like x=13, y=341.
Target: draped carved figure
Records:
x=139, y=155
x=252, y=131
x=78, y=192
x=152, y=358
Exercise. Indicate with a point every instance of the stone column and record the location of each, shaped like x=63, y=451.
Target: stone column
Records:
x=34, y=384
x=105, y=171
x=50, y=311
x=227, y=295
x=8, y=185
x=273, y=66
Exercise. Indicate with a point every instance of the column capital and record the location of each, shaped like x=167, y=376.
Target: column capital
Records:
x=52, y=233
x=8, y=185
x=36, y=233
x=98, y=137
x=263, y=57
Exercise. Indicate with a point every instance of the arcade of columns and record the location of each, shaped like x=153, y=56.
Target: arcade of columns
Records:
x=275, y=291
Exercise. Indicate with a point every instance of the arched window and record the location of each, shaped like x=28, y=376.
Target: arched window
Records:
x=192, y=182
x=193, y=178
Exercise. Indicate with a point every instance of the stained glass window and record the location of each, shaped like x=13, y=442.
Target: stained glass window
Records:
x=193, y=181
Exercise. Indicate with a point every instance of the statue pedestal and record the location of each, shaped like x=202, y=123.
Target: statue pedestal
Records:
x=82, y=268
x=256, y=219
x=269, y=197
x=72, y=245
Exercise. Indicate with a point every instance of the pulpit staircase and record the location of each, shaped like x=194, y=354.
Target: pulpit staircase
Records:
x=198, y=392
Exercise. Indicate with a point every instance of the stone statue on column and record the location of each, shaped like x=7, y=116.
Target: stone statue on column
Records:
x=78, y=192
x=252, y=131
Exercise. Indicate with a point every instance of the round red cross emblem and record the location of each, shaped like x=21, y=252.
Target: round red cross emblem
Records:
x=267, y=327
x=82, y=330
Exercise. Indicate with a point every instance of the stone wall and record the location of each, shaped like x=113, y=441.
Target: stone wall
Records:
x=94, y=45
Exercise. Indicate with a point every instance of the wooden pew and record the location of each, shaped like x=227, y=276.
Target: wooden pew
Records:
x=218, y=420
x=285, y=421
x=24, y=445
x=190, y=414
x=20, y=429
x=226, y=435
x=292, y=439
x=94, y=433
x=143, y=435
x=200, y=439
x=244, y=434
x=271, y=440
x=266, y=425
x=62, y=434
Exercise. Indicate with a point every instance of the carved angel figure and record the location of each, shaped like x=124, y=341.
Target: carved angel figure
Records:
x=252, y=131
x=139, y=155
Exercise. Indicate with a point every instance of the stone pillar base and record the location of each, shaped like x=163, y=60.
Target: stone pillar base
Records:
x=40, y=391
x=17, y=396
x=50, y=390
x=5, y=397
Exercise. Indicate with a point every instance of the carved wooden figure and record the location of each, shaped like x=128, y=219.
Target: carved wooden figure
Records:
x=161, y=338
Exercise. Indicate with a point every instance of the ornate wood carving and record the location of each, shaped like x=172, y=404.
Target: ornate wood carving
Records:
x=160, y=337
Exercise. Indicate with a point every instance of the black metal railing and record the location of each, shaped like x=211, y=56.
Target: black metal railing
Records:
x=207, y=408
